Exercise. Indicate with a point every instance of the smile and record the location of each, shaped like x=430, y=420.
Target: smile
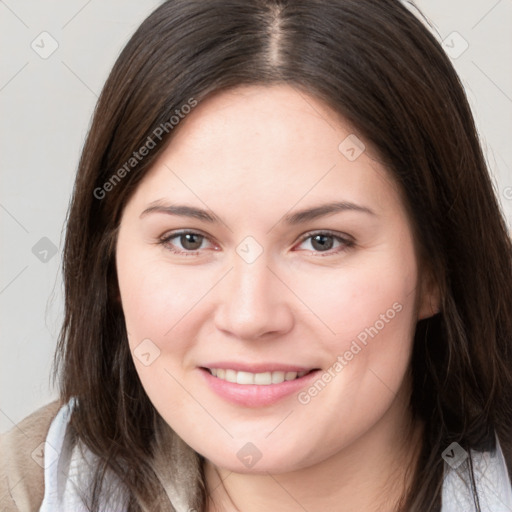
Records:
x=262, y=379
x=258, y=388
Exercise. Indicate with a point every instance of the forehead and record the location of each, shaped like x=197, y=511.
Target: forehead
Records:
x=277, y=117
x=271, y=144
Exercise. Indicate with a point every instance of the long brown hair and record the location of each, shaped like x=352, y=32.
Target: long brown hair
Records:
x=375, y=64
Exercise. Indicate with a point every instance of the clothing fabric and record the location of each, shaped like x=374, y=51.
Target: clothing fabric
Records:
x=21, y=461
x=491, y=480
x=67, y=472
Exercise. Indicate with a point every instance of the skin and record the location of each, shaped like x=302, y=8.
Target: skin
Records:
x=251, y=156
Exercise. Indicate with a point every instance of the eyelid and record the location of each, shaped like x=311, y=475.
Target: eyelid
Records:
x=346, y=240
x=183, y=231
x=341, y=236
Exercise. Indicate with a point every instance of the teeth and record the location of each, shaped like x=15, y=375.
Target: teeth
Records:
x=263, y=379
x=277, y=377
x=230, y=376
x=246, y=377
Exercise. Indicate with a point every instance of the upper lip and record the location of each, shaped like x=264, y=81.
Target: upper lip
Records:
x=258, y=367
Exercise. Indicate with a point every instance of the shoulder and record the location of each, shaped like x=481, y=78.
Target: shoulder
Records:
x=21, y=461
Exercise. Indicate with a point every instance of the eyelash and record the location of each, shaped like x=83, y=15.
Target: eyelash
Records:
x=346, y=242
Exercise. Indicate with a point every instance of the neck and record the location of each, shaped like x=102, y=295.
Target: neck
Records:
x=373, y=473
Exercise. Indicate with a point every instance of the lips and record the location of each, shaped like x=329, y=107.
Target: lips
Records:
x=256, y=385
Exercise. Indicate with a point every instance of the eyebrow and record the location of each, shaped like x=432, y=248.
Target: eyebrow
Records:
x=322, y=210
x=298, y=217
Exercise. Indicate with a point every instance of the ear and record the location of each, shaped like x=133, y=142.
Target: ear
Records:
x=429, y=300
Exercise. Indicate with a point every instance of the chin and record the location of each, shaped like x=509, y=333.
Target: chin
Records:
x=249, y=460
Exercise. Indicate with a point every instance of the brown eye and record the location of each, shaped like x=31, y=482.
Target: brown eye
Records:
x=187, y=243
x=325, y=242
x=191, y=241
x=322, y=242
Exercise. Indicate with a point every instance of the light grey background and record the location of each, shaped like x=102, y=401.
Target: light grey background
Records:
x=46, y=102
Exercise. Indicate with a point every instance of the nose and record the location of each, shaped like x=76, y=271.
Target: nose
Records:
x=253, y=302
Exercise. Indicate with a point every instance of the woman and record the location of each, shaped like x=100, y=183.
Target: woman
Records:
x=287, y=276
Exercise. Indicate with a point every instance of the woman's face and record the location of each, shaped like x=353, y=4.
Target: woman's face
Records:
x=299, y=264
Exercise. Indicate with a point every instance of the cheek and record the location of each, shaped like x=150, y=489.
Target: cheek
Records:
x=157, y=299
x=158, y=303
x=371, y=308
x=354, y=301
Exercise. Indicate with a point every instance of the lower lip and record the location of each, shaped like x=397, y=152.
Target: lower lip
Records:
x=256, y=395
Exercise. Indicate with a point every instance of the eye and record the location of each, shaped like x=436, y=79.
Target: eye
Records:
x=187, y=242
x=325, y=242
